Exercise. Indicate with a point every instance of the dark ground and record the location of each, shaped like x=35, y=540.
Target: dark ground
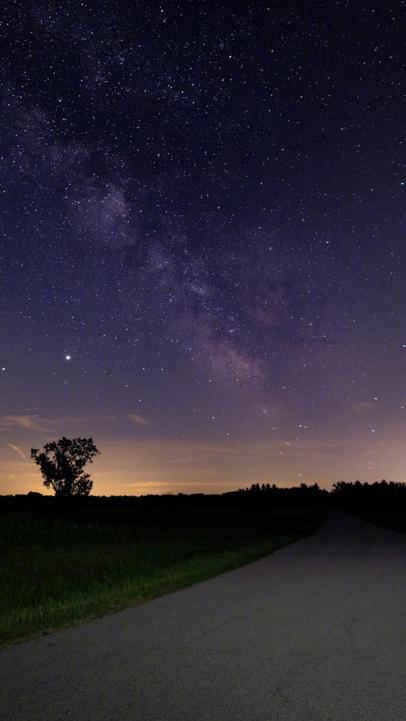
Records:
x=313, y=632
x=58, y=569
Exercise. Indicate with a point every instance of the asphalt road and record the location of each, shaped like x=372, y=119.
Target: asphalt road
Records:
x=317, y=631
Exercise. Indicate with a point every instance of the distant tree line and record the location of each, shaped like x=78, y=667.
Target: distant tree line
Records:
x=62, y=464
x=347, y=495
x=374, y=496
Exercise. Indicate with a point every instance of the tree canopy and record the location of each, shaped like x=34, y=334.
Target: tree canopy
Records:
x=62, y=465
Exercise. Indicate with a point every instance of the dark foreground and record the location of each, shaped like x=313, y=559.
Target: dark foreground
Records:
x=314, y=632
x=56, y=571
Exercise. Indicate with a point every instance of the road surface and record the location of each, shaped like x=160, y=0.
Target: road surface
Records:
x=316, y=631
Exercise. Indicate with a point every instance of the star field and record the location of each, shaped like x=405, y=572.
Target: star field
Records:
x=202, y=247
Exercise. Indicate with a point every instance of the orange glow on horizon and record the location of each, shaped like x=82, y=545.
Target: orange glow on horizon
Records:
x=151, y=466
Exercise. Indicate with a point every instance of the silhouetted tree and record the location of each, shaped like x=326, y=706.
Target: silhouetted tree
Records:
x=62, y=463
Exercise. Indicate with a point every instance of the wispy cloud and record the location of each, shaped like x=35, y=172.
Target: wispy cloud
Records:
x=139, y=420
x=30, y=423
x=18, y=450
x=361, y=407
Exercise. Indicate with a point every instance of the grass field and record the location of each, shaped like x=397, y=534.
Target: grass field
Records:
x=56, y=572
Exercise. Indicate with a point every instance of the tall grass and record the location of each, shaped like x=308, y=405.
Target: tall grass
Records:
x=58, y=571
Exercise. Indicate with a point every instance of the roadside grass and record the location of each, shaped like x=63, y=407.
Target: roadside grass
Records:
x=57, y=572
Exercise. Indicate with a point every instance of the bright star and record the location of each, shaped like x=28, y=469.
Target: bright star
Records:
x=68, y=357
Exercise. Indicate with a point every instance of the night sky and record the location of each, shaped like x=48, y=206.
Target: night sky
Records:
x=202, y=258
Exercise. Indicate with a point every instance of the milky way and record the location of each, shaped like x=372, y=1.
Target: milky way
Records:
x=202, y=257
